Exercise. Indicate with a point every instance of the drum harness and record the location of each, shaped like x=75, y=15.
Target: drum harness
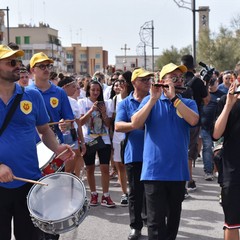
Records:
x=11, y=111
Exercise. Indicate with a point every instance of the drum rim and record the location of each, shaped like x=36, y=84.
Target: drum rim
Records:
x=61, y=219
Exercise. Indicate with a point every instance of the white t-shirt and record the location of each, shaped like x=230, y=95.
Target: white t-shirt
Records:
x=75, y=109
x=95, y=125
x=117, y=136
x=82, y=93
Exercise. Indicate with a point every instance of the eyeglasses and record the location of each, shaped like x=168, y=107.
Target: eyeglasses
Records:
x=177, y=78
x=44, y=66
x=144, y=80
x=13, y=62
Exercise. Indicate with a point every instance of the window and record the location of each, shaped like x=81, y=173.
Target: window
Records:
x=27, y=55
x=18, y=40
x=83, y=56
x=97, y=67
x=26, y=40
x=98, y=55
x=69, y=56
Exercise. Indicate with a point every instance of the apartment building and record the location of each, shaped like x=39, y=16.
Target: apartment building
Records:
x=74, y=59
x=84, y=60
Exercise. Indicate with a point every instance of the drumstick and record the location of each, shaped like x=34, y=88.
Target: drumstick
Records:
x=30, y=181
x=53, y=123
x=60, y=154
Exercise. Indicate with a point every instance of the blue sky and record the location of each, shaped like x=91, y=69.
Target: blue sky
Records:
x=112, y=24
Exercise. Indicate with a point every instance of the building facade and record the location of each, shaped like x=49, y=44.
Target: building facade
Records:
x=132, y=61
x=74, y=59
x=85, y=60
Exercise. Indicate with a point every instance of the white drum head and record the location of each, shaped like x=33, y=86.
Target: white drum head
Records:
x=64, y=196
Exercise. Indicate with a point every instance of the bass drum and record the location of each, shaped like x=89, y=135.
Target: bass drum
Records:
x=60, y=206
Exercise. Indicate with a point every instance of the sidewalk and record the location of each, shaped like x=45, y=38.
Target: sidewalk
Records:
x=202, y=216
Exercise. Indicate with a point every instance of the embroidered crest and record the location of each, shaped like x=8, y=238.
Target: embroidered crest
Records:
x=54, y=102
x=26, y=106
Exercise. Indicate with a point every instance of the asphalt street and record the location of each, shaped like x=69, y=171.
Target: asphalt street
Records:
x=202, y=216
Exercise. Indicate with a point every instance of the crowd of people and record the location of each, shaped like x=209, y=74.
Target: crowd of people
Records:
x=167, y=118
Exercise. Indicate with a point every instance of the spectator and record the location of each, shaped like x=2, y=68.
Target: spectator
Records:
x=202, y=97
x=226, y=77
x=95, y=120
x=207, y=122
x=227, y=125
x=69, y=85
x=24, y=78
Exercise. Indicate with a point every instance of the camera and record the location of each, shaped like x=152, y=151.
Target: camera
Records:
x=206, y=73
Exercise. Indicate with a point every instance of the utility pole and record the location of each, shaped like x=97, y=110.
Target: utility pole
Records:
x=125, y=55
x=191, y=6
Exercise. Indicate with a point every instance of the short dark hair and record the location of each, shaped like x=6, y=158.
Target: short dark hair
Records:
x=13, y=46
x=65, y=81
x=188, y=61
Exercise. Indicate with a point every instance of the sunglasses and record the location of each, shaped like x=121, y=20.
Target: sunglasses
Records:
x=176, y=79
x=13, y=62
x=44, y=66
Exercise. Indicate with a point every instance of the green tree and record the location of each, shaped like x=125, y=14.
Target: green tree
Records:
x=168, y=56
x=221, y=50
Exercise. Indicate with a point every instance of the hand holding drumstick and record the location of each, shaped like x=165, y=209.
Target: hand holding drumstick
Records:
x=65, y=152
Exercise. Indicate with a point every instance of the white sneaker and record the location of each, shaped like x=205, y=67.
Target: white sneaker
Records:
x=208, y=177
x=215, y=174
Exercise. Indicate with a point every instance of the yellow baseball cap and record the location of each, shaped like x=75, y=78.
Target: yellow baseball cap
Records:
x=170, y=68
x=38, y=58
x=6, y=51
x=140, y=73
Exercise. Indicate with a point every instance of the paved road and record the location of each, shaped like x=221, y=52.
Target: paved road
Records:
x=202, y=216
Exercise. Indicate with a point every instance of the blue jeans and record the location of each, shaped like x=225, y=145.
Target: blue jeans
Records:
x=207, y=153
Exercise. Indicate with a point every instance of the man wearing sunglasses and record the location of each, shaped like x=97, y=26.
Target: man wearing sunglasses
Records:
x=18, y=153
x=167, y=119
x=55, y=98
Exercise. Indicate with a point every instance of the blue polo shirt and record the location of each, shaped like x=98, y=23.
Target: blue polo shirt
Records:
x=165, y=155
x=57, y=105
x=17, y=143
x=134, y=147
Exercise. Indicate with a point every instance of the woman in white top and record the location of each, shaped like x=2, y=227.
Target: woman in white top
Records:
x=125, y=88
x=96, y=119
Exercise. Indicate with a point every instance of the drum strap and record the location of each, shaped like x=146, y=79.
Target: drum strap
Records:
x=11, y=111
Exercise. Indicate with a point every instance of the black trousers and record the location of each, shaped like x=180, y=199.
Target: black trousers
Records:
x=13, y=205
x=136, y=196
x=164, y=206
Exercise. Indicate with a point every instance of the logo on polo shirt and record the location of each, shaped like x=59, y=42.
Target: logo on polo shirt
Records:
x=54, y=102
x=26, y=106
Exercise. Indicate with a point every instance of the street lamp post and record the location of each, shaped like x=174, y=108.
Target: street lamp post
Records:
x=194, y=28
x=182, y=4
